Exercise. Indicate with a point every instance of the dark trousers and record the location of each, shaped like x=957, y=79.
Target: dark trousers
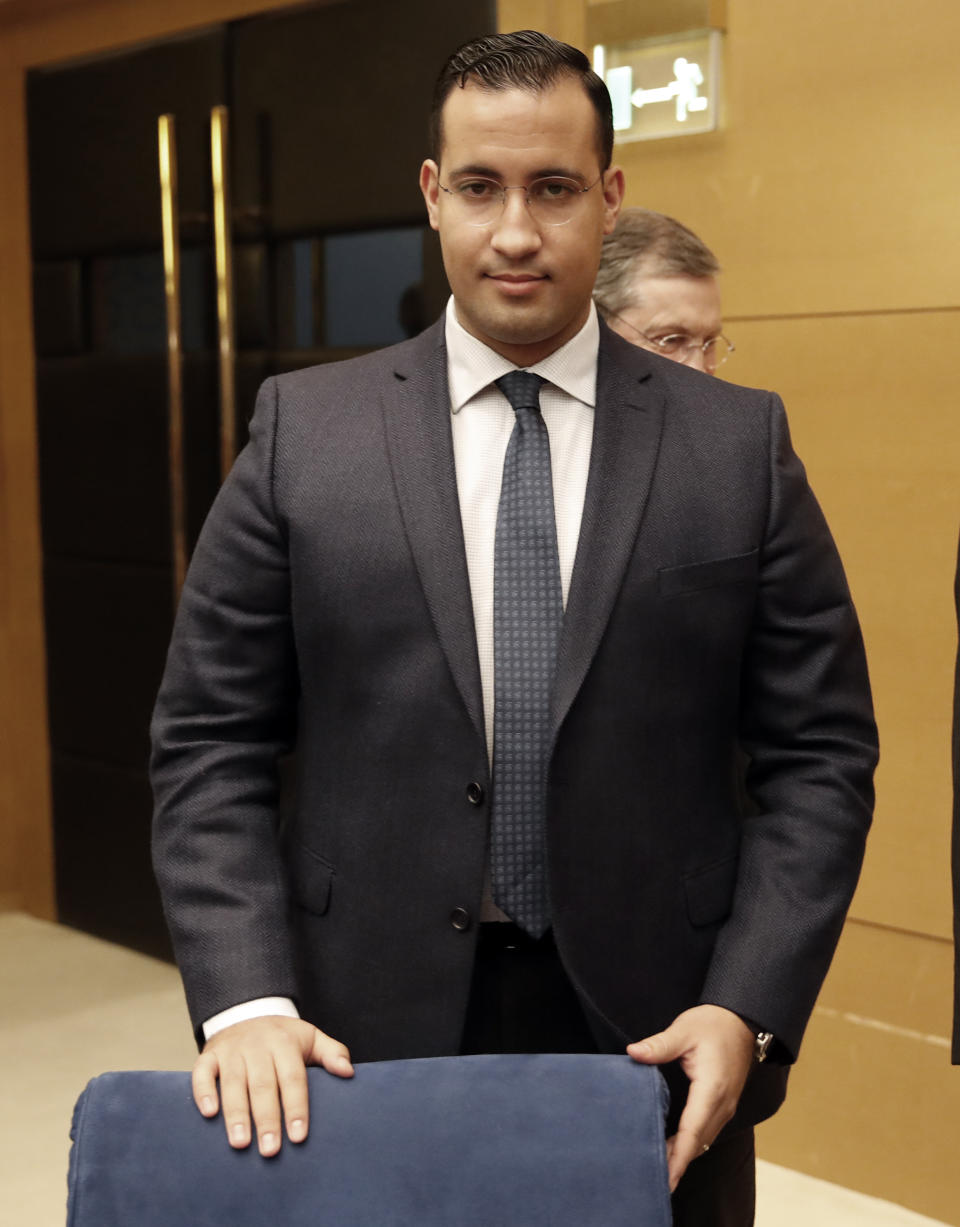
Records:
x=720, y=1188
x=522, y=1001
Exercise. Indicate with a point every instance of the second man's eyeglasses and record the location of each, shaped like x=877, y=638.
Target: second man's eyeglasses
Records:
x=680, y=347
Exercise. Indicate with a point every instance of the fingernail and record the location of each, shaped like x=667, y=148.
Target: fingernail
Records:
x=344, y=1064
x=238, y=1134
x=207, y=1106
x=268, y=1143
x=297, y=1130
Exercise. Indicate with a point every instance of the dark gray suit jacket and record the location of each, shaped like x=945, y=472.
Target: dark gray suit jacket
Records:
x=328, y=607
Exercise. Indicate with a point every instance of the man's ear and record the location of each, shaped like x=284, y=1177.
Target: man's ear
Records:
x=613, y=189
x=429, y=179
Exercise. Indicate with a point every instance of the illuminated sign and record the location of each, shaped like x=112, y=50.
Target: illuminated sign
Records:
x=662, y=87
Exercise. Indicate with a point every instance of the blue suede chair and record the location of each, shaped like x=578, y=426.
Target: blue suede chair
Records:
x=484, y=1141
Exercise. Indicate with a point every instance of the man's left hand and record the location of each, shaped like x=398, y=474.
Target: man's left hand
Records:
x=715, y=1049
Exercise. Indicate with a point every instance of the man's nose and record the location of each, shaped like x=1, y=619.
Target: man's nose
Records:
x=515, y=232
x=696, y=357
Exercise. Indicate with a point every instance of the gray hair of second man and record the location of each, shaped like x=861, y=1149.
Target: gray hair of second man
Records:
x=664, y=246
x=525, y=59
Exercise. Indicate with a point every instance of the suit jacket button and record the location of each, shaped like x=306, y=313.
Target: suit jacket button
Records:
x=460, y=919
x=475, y=793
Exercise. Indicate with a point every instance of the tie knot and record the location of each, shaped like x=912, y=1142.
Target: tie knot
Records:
x=521, y=389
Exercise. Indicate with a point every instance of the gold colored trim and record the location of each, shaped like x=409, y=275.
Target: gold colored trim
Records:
x=166, y=130
x=219, y=134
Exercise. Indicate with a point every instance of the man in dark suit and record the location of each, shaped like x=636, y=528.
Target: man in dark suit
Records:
x=359, y=591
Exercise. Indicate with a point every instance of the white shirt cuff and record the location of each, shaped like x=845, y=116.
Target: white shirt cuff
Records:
x=260, y=1007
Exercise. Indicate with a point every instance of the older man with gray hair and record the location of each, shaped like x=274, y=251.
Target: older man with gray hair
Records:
x=657, y=287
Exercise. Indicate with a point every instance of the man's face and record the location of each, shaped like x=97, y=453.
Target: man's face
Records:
x=521, y=287
x=672, y=306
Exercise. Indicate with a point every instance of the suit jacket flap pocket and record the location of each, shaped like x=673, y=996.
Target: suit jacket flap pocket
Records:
x=311, y=879
x=710, y=892
x=695, y=576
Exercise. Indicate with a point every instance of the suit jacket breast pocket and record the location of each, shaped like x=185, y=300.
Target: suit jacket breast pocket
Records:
x=712, y=573
x=709, y=892
x=311, y=879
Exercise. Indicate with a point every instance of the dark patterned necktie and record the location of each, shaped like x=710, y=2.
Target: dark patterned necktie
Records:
x=527, y=617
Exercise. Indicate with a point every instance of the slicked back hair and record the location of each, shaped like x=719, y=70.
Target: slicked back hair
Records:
x=525, y=59
x=665, y=248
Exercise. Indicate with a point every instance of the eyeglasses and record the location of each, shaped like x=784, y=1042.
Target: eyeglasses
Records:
x=552, y=201
x=681, y=348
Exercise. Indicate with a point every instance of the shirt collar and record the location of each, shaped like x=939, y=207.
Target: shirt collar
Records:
x=473, y=366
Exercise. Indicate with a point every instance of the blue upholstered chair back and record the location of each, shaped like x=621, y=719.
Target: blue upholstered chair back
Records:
x=485, y=1141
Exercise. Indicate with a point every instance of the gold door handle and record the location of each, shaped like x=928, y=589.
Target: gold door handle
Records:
x=219, y=133
x=166, y=131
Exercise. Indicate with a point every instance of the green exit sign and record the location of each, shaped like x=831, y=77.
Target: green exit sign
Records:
x=662, y=87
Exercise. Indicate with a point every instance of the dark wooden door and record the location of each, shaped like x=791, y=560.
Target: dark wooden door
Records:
x=102, y=414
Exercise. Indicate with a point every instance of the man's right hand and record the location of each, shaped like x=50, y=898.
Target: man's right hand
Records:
x=261, y=1064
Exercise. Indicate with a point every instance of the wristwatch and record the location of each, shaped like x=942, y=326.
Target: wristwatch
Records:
x=761, y=1045
x=761, y=1039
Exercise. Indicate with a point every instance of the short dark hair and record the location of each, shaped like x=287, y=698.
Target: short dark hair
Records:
x=668, y=248
x=525, y=59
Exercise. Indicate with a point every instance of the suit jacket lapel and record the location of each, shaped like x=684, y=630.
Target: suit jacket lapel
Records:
x=626, y=441
x=417, y=417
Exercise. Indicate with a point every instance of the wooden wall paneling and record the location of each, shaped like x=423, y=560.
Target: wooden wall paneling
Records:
x=26, y=878
x=563, y=19
x=872, y=1100
x=832, y=183
x=872, y=406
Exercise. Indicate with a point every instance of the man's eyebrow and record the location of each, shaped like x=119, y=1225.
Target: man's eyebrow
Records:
x=474, y=168
x=487, y=172
x=560, y=172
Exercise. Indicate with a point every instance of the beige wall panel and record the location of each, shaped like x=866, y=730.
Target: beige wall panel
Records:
x=563, y=19
x=872, y=402
x=582, y=22
x=26, y=865
x=617, y=21
x=833, y=184
x=892, y=980
x=526, y=15
x=873, y=1100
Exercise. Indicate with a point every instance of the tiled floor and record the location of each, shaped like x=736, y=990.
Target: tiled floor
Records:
x=73, y=1007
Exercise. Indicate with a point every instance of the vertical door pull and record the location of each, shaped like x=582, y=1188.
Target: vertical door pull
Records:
x=219, y=137
x=166, y=130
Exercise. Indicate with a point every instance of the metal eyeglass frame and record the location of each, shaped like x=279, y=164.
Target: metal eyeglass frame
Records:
x=504, y=188
x=659, y=343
